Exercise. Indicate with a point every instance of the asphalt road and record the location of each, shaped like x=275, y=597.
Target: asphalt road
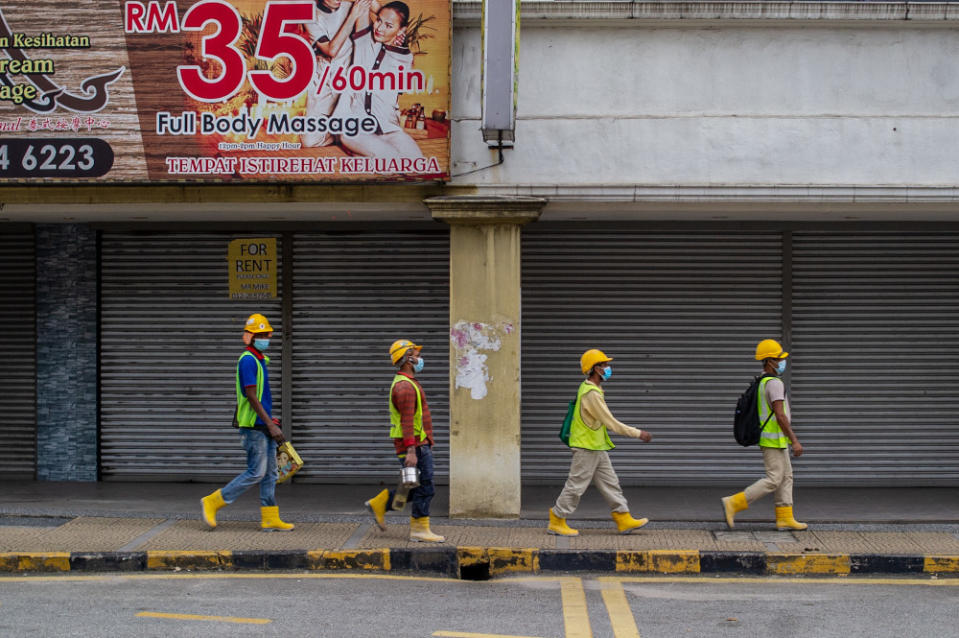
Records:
x=338, y=605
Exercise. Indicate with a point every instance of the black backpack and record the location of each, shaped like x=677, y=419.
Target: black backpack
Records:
x=746, y=427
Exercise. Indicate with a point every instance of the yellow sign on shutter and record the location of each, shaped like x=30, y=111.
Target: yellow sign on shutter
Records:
x=252, y=266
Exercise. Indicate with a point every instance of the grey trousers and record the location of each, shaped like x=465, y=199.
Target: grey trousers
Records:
x=590, y=466
x=778, y=479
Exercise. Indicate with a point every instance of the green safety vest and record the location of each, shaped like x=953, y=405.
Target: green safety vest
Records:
x=245, y=414
x=580, y=434
x=772, y=435
x=396, y=429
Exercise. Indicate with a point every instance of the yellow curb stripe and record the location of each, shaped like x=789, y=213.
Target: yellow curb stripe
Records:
x=230, y=619
x=811, y=564
x=941, y=565
x=186, y=559
x=506, y=559
x=35, y=561
x=789, y=582
x=378, y=559
x=468, y=556
x=620, y=614
x=575, y=613
x=663, y=561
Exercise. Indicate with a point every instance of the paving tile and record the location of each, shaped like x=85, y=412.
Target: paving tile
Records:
x=81, y=534
x=463, y=536
x=658, y=539
x=195, y=535
x=935, y=542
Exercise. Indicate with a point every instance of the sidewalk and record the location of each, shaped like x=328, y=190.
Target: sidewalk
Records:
x=127, y=526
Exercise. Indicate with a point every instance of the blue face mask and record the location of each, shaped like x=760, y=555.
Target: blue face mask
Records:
x=418, y=366
x=607, y=373
x=781, y=366
x=261, y=344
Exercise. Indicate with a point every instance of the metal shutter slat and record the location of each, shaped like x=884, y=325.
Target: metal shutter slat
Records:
x=18, y=310
x=169, y=341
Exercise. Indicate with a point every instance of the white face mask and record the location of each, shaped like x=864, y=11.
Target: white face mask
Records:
x=781, y=366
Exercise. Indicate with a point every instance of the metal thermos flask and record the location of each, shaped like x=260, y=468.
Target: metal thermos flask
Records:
x=409, y=478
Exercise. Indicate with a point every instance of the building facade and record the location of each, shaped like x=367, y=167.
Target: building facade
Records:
x=687, y=179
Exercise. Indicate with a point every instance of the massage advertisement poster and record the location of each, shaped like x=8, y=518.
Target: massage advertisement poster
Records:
x=268, y=91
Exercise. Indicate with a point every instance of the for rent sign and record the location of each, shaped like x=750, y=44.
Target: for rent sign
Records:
x=252, y=265
x=224, y=90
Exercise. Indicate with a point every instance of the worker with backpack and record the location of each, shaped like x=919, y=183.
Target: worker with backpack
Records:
x=771, y=426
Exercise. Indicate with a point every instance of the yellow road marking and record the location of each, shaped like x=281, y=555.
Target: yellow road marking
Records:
x=620, y=615
x=467, y=634
x=232, y=619
x=575, y=613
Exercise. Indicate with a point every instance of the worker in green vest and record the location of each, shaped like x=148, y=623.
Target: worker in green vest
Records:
x=411, y=428
x=589, y=440
x=260, y=433
x=775, y=440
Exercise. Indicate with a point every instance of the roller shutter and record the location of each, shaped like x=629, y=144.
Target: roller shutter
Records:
x=681, y=314
x=876, y=368
x=169, y=341
x=18, y=343
x=354, y=294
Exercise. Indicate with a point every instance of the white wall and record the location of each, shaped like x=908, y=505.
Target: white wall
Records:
x=716, y=103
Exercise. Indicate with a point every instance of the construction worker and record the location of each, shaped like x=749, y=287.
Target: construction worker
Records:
x=260, y=433
x=412, y=433
x=589, y=440
x=776, y=438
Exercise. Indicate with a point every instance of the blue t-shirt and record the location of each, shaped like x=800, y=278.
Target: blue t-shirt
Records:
x=247, y=367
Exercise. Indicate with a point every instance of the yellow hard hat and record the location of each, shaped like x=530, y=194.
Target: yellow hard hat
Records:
x=400, y=347
x=257, y=323
x=591, y=358
x=770, y=349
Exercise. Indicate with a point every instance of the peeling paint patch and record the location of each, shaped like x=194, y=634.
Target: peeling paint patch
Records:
x=941, y=564
x=35, y=562
x=357, y=559
x=663, y=561
x=811, y=564
x=186, y=559
x=469, y=340
x=508, y=559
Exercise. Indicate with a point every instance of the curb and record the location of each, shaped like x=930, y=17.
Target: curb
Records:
x=482, y=563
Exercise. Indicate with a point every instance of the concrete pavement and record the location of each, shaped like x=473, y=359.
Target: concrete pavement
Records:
x=133, y=526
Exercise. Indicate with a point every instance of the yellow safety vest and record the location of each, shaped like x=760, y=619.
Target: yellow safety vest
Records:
x=245, y=414
x=772, y=435
x=396, y=431
x=580, y=434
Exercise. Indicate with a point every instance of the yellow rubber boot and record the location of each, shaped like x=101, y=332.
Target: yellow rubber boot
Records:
x=559, y=527
x=732, y=505
x=626, y=523
x=785, y=520
x=420, y=531
x=377, y=507
x=270, y=517
x=211, y=503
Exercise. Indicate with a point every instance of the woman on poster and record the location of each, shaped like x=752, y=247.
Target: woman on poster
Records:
x=376, y=48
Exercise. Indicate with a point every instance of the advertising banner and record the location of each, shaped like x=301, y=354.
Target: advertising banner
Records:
x=224, y=91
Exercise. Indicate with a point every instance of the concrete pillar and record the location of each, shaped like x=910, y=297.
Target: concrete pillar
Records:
x=66, y=352
x=485, y=350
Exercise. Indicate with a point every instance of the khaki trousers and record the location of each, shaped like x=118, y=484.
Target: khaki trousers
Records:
x=590, y=466
x=779, y=478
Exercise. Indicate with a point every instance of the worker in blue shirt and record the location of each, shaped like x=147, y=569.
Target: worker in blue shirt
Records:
x=260, y=433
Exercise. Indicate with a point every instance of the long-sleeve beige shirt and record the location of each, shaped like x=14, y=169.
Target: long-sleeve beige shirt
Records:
x=595, y=413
